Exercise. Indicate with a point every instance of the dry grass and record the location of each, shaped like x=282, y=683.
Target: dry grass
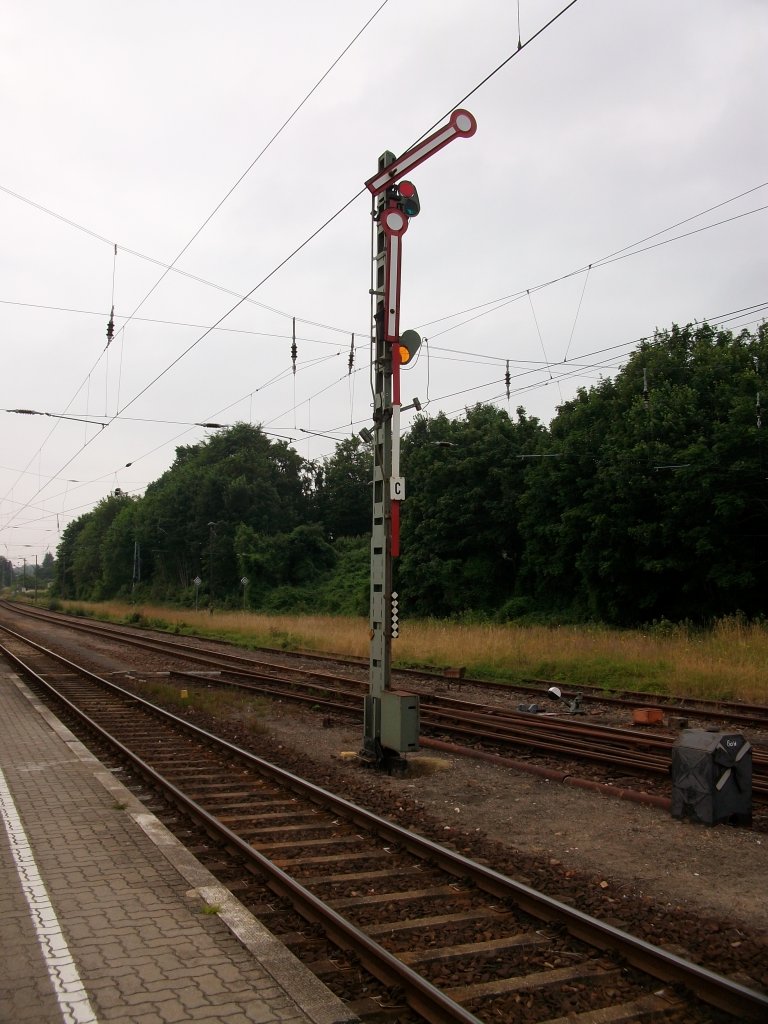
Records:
x=728, y=661
x=421, y=766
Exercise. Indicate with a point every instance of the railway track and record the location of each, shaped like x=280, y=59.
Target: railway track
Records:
x=451, y=938
x=729, y=712
x=625, y=753
x=484, y=728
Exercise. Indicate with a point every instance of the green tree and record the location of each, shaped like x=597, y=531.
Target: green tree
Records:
x=294, y=559
x=343, y=490
x=47, y=568
x=120, y=553
x=460, y=539
x=645, y=498
x=84, y=559
x=653, y=501
x=6, y=572
x=237, y=477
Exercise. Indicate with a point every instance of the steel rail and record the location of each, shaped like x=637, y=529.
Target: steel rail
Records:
x=531, y=731
x=713, y=988
x=597, y=743
x=702, y=707
x=473, y=727
x=519, y=724
x=760, y=788
x=592, y=741
x=435, y=1006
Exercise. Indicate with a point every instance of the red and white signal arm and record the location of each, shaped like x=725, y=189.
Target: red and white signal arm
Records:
x=394, y=224
x=461, y=125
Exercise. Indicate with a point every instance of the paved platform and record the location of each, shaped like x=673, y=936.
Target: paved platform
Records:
x=101, y=908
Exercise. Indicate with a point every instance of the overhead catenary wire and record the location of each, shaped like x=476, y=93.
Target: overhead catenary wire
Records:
x=169, y=267
x=56, y=416
x=500, y=303
x=343, y=330
x=578, y=310
x=85, y=383
x=298, y=249
x=499, y=67
x=189, y=348
x=176, y=270
x=571, y=371
x=569, y=5
x=538, y=330
x=609, y=256
x=82, y=448
x=177, y=323
x=242, y=298
x=479, y=358
x=258, y=157
x=110, y=334
x=578, y=369
x=496, y=303
x=575, y=369
x=283, y=373
x=601, y=262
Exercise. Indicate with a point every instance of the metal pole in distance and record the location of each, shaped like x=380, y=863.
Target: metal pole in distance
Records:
x=211, y=535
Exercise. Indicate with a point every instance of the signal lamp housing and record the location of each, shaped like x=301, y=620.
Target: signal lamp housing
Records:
x=408, y=198
x=409, y=345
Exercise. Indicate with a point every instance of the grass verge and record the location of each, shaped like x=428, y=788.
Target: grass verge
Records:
x=726, y=661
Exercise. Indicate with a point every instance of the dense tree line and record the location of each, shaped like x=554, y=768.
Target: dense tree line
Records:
x=646, y=497
x=235, y=506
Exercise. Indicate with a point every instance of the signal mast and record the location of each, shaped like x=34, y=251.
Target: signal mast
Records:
x=391, y=717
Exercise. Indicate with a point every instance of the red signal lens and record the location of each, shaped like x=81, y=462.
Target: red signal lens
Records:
x=409, y=198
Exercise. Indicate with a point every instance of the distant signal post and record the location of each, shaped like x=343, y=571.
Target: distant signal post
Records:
x=391, y=722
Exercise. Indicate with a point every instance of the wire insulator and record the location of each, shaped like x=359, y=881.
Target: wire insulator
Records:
x=111, y=327
x=507, y=380
x=294, y=350
x=351, y=361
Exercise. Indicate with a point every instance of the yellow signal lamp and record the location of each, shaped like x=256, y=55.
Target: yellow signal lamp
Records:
x=409, y=345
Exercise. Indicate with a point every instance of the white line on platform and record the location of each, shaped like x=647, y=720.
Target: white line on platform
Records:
x=67, y=984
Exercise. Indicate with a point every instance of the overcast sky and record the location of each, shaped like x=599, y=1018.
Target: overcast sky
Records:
x=128, y=123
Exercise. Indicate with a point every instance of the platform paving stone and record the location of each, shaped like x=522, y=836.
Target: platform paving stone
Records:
x=106, y=923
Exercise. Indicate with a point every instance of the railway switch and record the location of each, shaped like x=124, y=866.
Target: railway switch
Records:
x=712, y=777
x=573, y=704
